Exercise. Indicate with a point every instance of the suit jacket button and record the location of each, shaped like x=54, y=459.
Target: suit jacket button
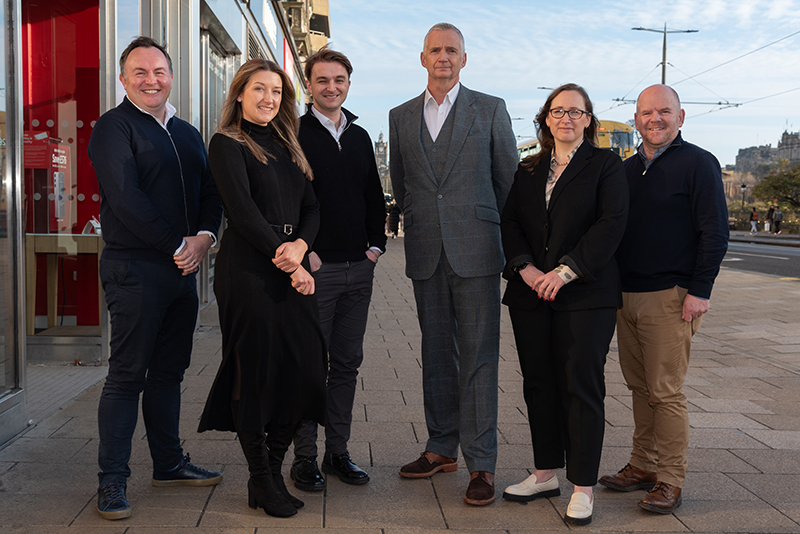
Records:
x=439, y=197
x=547, y=249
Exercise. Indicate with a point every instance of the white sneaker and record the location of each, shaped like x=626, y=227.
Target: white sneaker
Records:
x=579, y=511
x=529, y=489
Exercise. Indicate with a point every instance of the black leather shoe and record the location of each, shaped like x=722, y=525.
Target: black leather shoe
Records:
x=306, y=475
x=186, y=474
x=342, y=466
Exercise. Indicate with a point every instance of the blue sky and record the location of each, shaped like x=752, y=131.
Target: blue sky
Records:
x=514, y=47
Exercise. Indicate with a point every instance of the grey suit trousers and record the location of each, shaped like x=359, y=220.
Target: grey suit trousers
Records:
x=460, y=323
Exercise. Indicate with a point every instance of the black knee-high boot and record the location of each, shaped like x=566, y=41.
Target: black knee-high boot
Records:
x=278, y=439
x=261, y=490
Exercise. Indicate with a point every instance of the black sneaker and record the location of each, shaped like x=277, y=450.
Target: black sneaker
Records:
x=186, y=474
x=342, y=466
x=111, y=501
x=306, y=475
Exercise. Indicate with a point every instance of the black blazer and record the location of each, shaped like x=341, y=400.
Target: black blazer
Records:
x=582, y=228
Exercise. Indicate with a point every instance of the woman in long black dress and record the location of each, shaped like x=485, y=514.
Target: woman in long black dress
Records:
x=273, y=365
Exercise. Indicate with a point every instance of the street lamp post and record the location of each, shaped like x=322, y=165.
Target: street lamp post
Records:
x=665, y=31
x=744, y=188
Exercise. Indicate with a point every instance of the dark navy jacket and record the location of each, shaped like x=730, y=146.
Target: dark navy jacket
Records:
x=156, y=187
x=677, y=230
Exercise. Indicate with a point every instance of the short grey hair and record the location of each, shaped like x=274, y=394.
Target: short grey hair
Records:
x=444, y=26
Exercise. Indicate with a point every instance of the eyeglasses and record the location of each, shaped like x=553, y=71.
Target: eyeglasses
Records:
x=574, y=114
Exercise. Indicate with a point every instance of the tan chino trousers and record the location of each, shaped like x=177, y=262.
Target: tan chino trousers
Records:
x=654, y=346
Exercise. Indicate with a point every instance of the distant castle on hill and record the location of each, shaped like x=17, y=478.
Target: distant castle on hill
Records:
x=749, y=159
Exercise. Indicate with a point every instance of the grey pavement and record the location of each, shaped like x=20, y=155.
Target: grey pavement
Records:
x=744, y=456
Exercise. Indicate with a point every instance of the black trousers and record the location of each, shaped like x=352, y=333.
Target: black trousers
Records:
x=343, y=292
x=153, y=311
x=562, y=355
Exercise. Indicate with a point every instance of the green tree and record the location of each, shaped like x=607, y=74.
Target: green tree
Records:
x=782, y=184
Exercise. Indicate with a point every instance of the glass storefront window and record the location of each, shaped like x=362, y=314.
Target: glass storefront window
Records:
x=61, y=102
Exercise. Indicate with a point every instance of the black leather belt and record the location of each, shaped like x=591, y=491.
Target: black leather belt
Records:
x=286, y=229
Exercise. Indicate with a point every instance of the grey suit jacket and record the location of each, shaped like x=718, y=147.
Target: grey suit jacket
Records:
x=461, y=210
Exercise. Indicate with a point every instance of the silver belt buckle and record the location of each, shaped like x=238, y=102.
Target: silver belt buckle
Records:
x=287, y=229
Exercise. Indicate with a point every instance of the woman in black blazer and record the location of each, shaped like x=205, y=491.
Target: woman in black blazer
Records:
x=562, y=223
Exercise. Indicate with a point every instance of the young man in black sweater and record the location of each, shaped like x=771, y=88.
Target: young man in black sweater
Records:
x=670, y=255
x=160, y=212
x=350, y=241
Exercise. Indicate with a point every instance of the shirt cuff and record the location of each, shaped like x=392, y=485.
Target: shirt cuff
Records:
x=566, y=274
x=213, y=237
x=178, y=250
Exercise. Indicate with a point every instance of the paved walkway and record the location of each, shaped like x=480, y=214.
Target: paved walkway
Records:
x=744, y=456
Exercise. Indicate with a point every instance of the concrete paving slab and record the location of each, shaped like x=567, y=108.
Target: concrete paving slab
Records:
x=713, y=438
x=733, y=516
x=41, y=450
x=387, y=501
x=23, y=510
x=777, y=462
x=777, y=439
x=723, y=420
x=232, y=511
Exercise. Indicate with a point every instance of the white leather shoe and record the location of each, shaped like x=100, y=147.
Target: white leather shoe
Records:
x=529, y=489
x=579, y=511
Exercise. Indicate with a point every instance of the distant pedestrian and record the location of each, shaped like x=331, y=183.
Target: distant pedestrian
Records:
x=768, y=222
x=394, y=219
x=754, y=221
x=777, y=219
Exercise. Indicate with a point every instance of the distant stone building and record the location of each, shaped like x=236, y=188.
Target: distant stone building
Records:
x=789, y=147
x=749, y=159
x=382, y=159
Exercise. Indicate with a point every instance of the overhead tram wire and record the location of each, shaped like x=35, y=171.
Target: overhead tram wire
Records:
x=740, y=57
x=723, y=106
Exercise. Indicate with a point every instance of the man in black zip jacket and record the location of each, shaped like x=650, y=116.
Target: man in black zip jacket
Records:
x=159, y=214
x=351, y=238
x=670, y=255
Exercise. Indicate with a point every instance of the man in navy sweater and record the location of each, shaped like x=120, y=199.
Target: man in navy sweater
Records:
x=159, y=212
x=676, y=238
x=351, y=238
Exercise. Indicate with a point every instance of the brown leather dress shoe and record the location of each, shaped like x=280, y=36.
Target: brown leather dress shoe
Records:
x=428, y=464
x=662, y=499
x=629, y=478
x=481, y=489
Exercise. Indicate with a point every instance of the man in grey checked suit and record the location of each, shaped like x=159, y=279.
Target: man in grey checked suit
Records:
x=453, y=157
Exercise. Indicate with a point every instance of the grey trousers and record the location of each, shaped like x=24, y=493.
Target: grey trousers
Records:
x=343, y=292
x=460, y=323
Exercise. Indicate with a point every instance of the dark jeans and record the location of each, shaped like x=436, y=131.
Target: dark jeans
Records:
x=153, y=312
x=343, y=292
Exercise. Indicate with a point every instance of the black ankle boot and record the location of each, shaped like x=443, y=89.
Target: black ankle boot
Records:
x=262, y=493
x=278, y=441
x=261, y=490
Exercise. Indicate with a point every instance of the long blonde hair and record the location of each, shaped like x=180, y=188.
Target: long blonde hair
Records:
x=285, y=124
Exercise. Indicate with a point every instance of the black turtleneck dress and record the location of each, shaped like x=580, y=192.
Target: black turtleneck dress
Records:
x=272, y=328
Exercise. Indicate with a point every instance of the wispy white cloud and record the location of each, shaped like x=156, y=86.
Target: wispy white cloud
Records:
x=516, y=46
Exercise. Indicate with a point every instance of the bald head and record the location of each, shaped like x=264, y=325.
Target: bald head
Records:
x=662, y=92
x=659, y=117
